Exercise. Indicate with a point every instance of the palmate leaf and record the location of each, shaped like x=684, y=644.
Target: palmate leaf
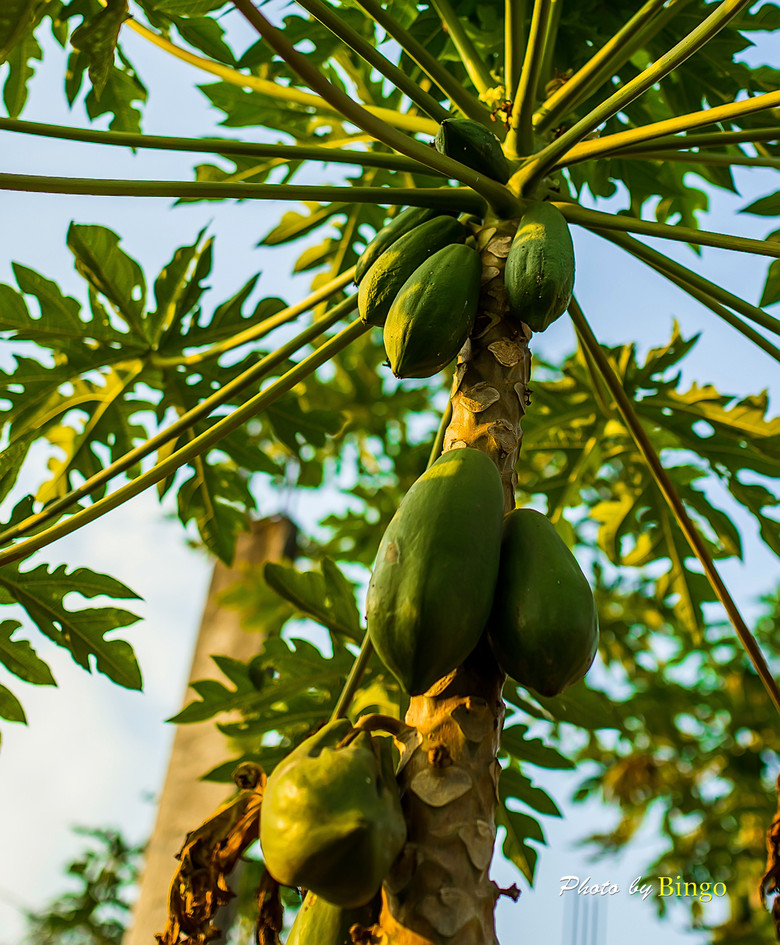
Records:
x=61, y=324
x=326, y=596
x=244, y=108
x=586, y=455
x=279, y=675
x=108, y=421
x=16, y=20
x=295, y=225
x=195, y=8
x=217, y=497
x=295, y=690
x=96, y=38
x=42, y=592
x=110, y=272
x=579, y=705
x=178, y=288
x=20, y=71
x=19, y=657
x=532, y=751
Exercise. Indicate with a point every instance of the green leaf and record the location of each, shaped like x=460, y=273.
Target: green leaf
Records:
x=771, y=292
x=514, y=784
x=11, y=461
x=187, y=7
x=178, y=289
x=42, y=594
x=294, y=225
x=122, y=89
x=216, y=496
x=20, y=71
x=276, y=679
x=96, y=38
x=16, y=18
x=514, y=846
x=109, y=271
x=20, y=658
x=768, y=206
x=531, y=750
x=294, y=425
x=205, y=34
x=580, y=705
x=10, y=707
x=325, y=596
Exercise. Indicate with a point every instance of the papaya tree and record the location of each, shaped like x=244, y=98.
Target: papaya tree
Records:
x=445, y=154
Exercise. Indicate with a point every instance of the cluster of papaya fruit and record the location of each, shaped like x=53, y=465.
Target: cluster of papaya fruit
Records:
x=451, y=566
x=420, y=277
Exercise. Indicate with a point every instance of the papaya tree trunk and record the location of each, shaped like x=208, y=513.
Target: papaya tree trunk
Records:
x=185, y=800
x=439, y=891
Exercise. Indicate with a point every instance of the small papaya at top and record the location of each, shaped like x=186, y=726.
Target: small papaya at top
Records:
x=539, y=273
x=433, y=313
x=543, y=626
x=401, y=224
x=331, y=820
x=432, y=586
x=474, y=145
x=380, y=285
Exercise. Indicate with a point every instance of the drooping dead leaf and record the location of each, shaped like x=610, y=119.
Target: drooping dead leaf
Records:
x=269, y=911
x=770, y=881
x=199, y=887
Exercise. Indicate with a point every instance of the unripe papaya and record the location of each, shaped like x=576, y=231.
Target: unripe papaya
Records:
x=331, y=819
x=381, y=283
x=474, y=145
x=406, y=220
x=543, y=627
x=432, y=587
x=539, y=274
x=320, y=923
x=433, y=313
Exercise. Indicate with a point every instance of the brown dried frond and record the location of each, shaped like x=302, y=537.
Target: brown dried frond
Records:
x=209, y=854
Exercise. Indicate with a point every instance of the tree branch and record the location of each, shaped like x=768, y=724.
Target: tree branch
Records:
x=658, y=260
x=519, y=141
x=496, y=194
x=277, y=91
x=462, y=99
x=664, y=483
x=475, y=67
x=594, y=219
x=613, y=144
x=531, y=173
x=444, y=198
x=286, y=152
x=614, y=54
x=330, y=19
x=183, y=423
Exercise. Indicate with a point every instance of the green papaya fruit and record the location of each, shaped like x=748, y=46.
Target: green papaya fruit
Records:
x=539, y=274
x=474, y=145
x=331, y=820
x=543, y=627
x=320, y=923
x=433, y=313
x=385, y=277
x=406, y=220
x=432, y=586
